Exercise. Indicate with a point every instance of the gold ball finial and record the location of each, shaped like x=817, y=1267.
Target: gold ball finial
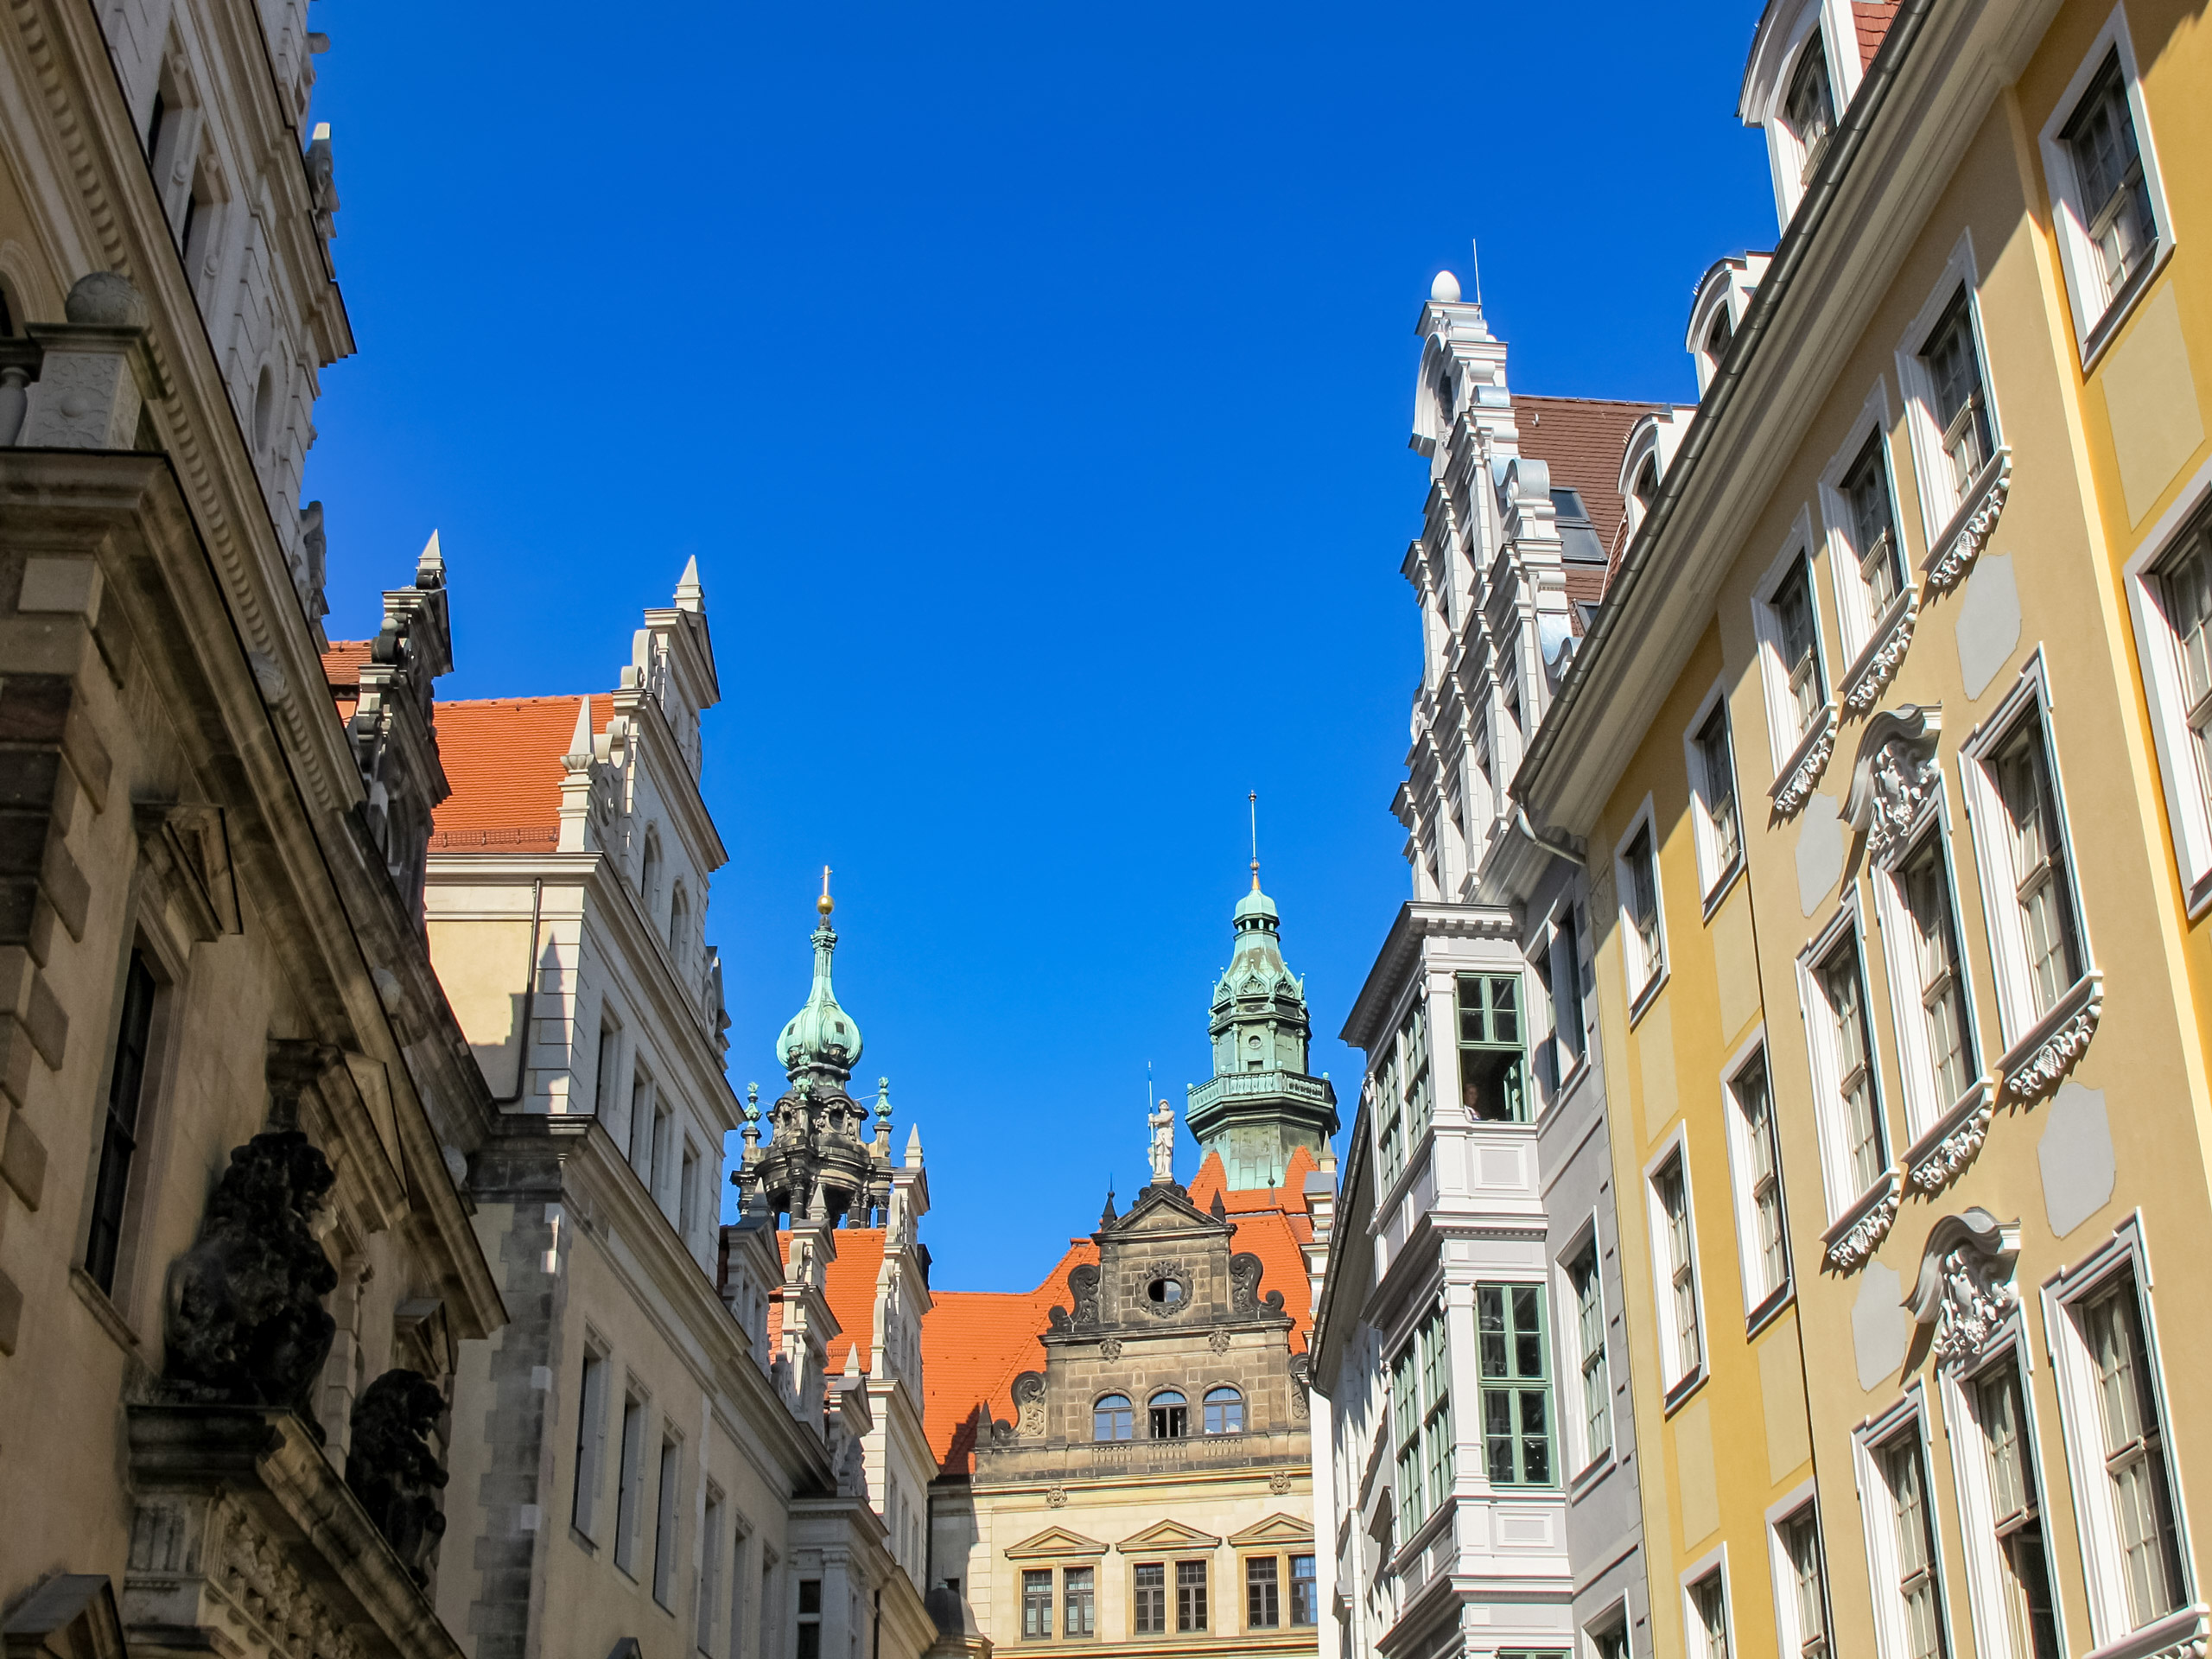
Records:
x=824, y=903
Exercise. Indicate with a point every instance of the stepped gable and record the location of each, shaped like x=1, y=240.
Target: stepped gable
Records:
x=502, y=755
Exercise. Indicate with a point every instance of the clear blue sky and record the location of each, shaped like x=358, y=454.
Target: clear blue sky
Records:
x=1032, y=385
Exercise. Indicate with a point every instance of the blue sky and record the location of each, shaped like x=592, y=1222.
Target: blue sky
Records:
x=1031, y=384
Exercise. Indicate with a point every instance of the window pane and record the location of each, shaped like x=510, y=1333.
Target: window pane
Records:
x=2043, y=886
x=1305, y=1598
x=2115, y=194
x=1262, y=1605
x=1961, y=408
x=1037, y=1605
x=1152, y=1598
x=1190, y=1595
x=119, y=1133
x=1801, y=645
x=1079, y=1602
x=2135, y=1460
x=1924, y=885
x=1719, y=790
x=1873, y=536
x=1843, y=986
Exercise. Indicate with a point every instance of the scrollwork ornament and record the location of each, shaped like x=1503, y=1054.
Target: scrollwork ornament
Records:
x=1798, y=788
x=1859, y=1242
x=1948, y=1157
x=1974, y=530
x=1879, y=667
x=2053, y=1057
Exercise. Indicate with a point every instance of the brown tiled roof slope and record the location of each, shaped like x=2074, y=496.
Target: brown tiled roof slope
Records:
x=1583, y=440
x=1873, y=18
x=502, y=755
x=342, y=671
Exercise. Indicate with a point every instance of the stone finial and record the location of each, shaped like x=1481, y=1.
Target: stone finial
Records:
x=1445, y=290
x=914, y=1147
x=689, y=595
x=579, y=755
x=1220, y=1210
x=105, y=299
x=1106, y=1218
x=95, y=373
x=852, y=1360
x=430, y=567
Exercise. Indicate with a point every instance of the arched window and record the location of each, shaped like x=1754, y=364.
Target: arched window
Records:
x=1171, y=1415
x=1224, y=1412
x=1113, y=1419
x=679, y=922
x=649, y=870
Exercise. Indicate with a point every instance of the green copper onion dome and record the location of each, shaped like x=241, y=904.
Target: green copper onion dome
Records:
x=821, y=1034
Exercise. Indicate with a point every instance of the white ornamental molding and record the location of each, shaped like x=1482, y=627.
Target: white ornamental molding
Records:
x=1936, y=1160
x=1965, y=1292
x=2036, y=1065
x=1971, y=525
x=1894, y=777
x=1879, y=658
x=2180, y=1635
x=1800, y=773
x=1859, y=1231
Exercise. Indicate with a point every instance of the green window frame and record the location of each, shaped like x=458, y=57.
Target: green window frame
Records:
x=1422, y=1424
x=1493, y=1047
x=1517, y=1389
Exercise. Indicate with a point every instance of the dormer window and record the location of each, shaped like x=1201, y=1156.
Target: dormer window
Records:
x=1810, y=109
x=1718, y=335
x=1646, y=488
x=1443, y=404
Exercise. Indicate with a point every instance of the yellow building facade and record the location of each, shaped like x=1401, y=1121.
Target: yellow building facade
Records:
x=1886, y=750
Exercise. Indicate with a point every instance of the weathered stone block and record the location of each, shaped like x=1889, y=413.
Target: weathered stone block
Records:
x=22, y=1161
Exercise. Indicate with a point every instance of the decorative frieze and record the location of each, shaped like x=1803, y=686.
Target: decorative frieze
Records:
x=1801, y=772
x=1935, y=1159
x=1860, y=1230
x=1877, y=664
x=2040, y=1060
x=1971, y=527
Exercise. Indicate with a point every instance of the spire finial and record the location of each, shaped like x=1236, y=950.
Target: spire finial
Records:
x=1475, y=269
x=825, y=904
x=1253, y=798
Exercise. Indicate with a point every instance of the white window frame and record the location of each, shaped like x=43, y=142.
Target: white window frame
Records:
x=1678, y=1381
x=2073, y=1371
x=1760, y=1305
x=1567, y=1350
x=2188, y=816
x=1877, y=1510
x=1645, y=978
x=1566, y=1068
x=1987, y=1596
x=2017, y=1016
x=1711, y=1565
x=1837, y=1182
x=1941, y=504
x=1785, y=741
x=2098, y=313
x=1715, y=877
x=1854, y=601
x=1788, y=1632
x=1615, y=1615
x=1924, y=1109
x=1772, y=66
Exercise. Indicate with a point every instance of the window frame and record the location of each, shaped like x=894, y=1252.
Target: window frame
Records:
x=1710, y=1569
x=1839, y=1187
x=1221, y=1397
x=1870, y=1441
x=1556, y=953
x=2125, y=1254
x=1925, y=1109
x=668, y=1515
x=1160, y=1415
x=1942, y=505
x=1099, y=1407
x=1678, y=1380
x=1312, y=1579
x=2187, y=782
x=1137, y=1588
x=1800, y=1504
x=1066, y=1605
x=1273, y=1587
x=1717, y=867
x=1862, y=625
x=1645, y=976
x=1522, y=1102
x=1194, y=1613
x=1032, y=1579
x=1514, y=1384
x=2069, y=216
x=2020, y=1022
x=1761, y=1301
x=1576, y=1360
x=1788, y=743
x=1970, y=1478
x=590, y=1440
x=118, y=1280
x=629, y=1475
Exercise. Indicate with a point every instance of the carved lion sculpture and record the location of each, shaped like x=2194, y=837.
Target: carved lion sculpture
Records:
x=247, y=1325
x=390, y=1467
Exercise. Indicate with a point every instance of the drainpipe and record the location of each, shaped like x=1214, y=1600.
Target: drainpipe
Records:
x=529, y=999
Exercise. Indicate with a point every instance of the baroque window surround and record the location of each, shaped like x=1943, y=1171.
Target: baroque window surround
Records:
x=2041, y=1047
x=2189, y=815
x=1716, y=867
x=1858, y=1218
x=1679, y=1380
x=1760, y=1305
x=2098, y=313
x=1874, y=645
x=1775, y=54
x=1955, y=524
x=2074, y=1370
x=1801, y=1501
x=1644, y=975
x=1713, y=1565
x=1799, y=745
x=1877, y=1510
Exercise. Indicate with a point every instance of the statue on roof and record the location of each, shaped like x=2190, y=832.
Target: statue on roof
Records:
x=1163, y=1145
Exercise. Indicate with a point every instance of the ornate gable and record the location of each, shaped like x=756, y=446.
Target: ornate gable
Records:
x=1167, y=1534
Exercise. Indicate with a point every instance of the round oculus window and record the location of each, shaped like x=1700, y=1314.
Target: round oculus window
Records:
x=1165, y=1293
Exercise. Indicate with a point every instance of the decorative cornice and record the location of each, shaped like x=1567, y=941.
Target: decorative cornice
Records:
x=1879, y=658
x=1970, y=528
x=1794, y=783
x=1860, y=1230
x=1936, y=1159
x=2034, y=1066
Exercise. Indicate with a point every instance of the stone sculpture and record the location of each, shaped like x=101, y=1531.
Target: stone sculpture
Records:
x=392, y=1469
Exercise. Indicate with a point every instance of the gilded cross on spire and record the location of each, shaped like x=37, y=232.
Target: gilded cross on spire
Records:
x=824, y=904
x=1254, y=798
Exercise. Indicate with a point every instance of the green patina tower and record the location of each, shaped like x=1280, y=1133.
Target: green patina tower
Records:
x=1263, y=1104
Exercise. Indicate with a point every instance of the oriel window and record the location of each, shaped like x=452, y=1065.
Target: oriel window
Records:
x=119, y=1132
x=2108, y=162
x=1515, y=1384
x=1493, y=1053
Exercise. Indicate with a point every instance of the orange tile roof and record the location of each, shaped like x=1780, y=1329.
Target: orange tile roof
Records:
x=342, y=671
x=1873, y=18
x=502, y=755
x=1583, y=440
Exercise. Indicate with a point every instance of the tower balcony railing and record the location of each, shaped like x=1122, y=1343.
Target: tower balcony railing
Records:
x=1294, y=1084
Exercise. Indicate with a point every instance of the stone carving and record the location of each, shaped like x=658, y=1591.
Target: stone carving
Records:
x=1796, y=784
x=1934, y=1169
x=1966, y=1289
x=1083, y=1284
x=247, y=1574
x=1174, y=1271
x=2045, y=1065
x=1219, y=1342
x=1056, y=1497
x=247, y=1325
x=392, y=1469
x=1244, y=1271
x=1111, y=1349
x=1878, y=663
x=1867, y=1230
x=1279, y=1484
x=1972, y=534
x=1161, y=1121
x=1029, y=1402
x=1895, y=778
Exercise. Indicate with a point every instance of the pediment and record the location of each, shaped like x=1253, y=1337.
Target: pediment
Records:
x=1163, y=1210
x=1285, y=1529
x=1167, y=1534
x=1052, y=1543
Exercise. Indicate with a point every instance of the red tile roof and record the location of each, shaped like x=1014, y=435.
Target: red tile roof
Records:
x=502, y=755
x=1873, y=18
x=1583, y=440
x=342, y=671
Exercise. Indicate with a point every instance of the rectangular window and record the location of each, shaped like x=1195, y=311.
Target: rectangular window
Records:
x=1610, y=1642
x=1079, y=1603
x=610, y=1044
x=1809, y=1600
x=1590, y=1329
x=810, y=1619
x=1405, y=1433
x=1151, y=1599
x=1189, y=1596
x=1917, y=1590
x=2025, y=1610
x=1765, y=1238
x=1670, y=1192
x=1709, y=1604
x=126, y=1090
x=1958, y=400
x=1809, y=110
x=2184, y=588
x=1936, y=992
x=2131, y=1425
x=641, y=1126
x=1262, y=1596
x=2101, y=140
x=657, y=1176
x=1870, y=527
x=630, y=1488
x=1844, y=1063
x=1515, y=1384
x=1037, y=1604
x=710, y=1572
x=591, y=1446
x=687, y=1199
x=1493, y=1065
x=1714, y=784
x=664, y=1539
x=1799, y=642
x=1639, y=890
x=2043, y=885
x=1563, y=984
x=1405, y=1093
x=1305, y=1591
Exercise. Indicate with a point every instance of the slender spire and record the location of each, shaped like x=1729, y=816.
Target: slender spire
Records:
x=822, y=1032
x=1254, y=798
